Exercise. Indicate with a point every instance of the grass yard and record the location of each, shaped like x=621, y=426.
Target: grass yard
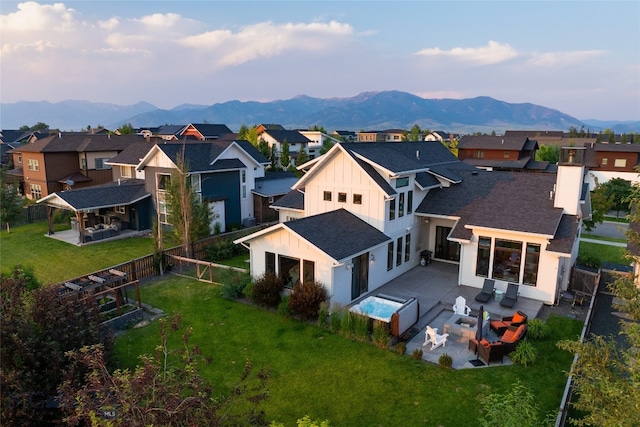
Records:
x=54, y=261
x=604, y=252
x=326, y=376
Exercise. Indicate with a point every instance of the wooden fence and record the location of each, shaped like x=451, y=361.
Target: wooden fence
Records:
x=145, y=267
x=29, y=214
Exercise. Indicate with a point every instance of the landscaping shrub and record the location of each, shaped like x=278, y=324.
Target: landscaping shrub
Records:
x=233, y=283
x=445, y=360
x=24, y=274
x=346, y=324
x=381, y=334
x=284, y=308
x=588, y=258
x=223, y=249
x=401, y=347
x=336, y=320
x=537, y=329
x=417, y=354
x=525, y=353
x=306, y=298
x=266, y=290
x=361, y=327
x=323, y=315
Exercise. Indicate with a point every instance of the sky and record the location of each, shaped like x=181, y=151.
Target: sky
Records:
x=579, y=57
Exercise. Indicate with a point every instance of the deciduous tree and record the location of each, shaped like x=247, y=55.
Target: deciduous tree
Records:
x=284, y=154
x=548, y=153
x=11, y=202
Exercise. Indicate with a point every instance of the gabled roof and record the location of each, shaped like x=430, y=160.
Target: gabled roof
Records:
x=487, y=142
x=292, y=136
x=275, y=184
x=9, y=136
x=615, y=148
x=170, y=130
x=203, y=156
x=79, y=142
x=565, y=235
x=426, y=180
x=294, y=199
x=132, y=155
x=513, y=201
x=339, y=234
x=99, y=196
x=209, y=131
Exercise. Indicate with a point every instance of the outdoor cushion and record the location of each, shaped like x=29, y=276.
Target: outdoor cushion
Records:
x=484, y=342
x=518, y=318
x=511, y=336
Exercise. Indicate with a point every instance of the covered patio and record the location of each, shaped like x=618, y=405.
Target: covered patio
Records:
x=436, y=288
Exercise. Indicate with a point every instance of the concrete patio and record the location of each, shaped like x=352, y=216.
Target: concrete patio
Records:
x=436, y=288
x=72, y=236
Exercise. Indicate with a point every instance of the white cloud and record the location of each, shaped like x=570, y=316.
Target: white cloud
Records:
x=492, y=53
x=32, y=16
x=266, y=39
x=555, y=59
x=109, y=25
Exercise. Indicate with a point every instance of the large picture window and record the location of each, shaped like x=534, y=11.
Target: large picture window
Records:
x=289, y=271
x=390, y=256
x=506, y=260
x=270, y=262
x=531, y=263
x=308, y=271
x=484, y=254
x=36, y=191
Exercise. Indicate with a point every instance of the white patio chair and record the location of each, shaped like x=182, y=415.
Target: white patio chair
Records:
x=461, y=307
x=432, y=336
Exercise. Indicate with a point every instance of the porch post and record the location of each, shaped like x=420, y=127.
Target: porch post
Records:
x=50, y=219
x=80, y=219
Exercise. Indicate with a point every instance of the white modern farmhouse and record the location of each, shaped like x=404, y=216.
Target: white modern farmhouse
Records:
x=364, y=213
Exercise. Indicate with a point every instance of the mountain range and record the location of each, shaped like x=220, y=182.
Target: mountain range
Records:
x=367, y=110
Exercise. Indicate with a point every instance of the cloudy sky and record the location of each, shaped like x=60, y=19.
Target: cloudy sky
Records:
x=579, y=57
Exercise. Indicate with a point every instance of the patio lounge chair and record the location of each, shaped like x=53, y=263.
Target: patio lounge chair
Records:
x=500, y=326
x=487, y=291
x=461, y=307
x=432, y=336
x=511, y=296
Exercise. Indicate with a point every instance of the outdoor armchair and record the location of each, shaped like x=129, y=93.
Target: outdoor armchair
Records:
x=488, y=351
x=487, y=291
x=512, y=336
x=500, y=326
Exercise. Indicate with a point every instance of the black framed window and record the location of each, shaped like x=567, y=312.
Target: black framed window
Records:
x=484, y=254
x=390, y=256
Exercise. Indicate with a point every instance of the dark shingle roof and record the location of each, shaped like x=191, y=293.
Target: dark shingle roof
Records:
x=276, y=185
x=170, y=129
x=426, y=180
x=292, y=136
x=132, y=154
x=618, y=148
x=487, y=142
x=513, y=201
x=339, y=233
x=565, y=235
x=80, y=142
x=405, y=156
x=211, y=131
x=104, y=195
x=202, y=156
x=294, y=199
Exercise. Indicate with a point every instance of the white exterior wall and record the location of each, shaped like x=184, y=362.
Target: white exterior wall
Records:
x=549, y=266
x=289, y=214
x=343, y=175
x=568, y=189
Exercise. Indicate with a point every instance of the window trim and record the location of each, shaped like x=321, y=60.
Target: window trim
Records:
x=357, y=199
x=342, y=197
x=326, y=196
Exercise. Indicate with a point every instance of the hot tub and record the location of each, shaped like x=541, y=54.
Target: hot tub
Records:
x=399, y=313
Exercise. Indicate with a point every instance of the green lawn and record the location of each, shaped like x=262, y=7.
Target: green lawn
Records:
x=54, y=261
x=326, y=376
x=603, y=238
x=603, y=252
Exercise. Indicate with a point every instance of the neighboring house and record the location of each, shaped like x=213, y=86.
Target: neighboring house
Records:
x=268, y=190
x=345, y=135
x=263, y=127
x=606, y=161
x=66, y=160
x=296, y=141
x=438, y=135
x=500, y=152
x=124, y=165
x=551, y=137
x=316, y=140
x=223, y=173
x=371, y=210
x=389, y=135
x=169, y=132
x=10, y=139
x=205, y=131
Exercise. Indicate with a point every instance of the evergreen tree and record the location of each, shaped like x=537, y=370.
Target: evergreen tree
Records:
x=302, y=157
x=284, y=155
